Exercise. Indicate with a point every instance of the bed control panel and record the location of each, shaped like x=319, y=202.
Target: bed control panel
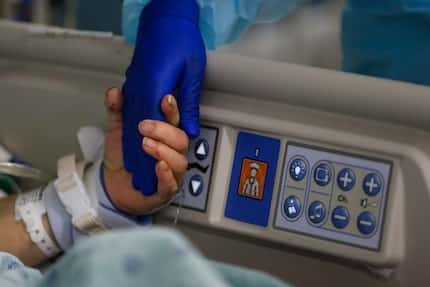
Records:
x=196, y=182
x=332, y=195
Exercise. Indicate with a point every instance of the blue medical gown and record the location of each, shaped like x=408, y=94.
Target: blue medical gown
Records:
x=221, y=21
x=384, y=38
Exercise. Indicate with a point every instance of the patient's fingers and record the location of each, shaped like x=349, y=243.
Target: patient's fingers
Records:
x=124, y=197
x=167, y=184
x=133, y=201
x=176, y=161
x=169, y=106
x=165, y=133
x=167, y=144
x=114, y=103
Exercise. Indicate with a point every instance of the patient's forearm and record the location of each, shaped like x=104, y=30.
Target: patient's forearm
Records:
x=14, y=238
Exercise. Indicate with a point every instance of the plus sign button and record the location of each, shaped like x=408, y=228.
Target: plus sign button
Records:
x=346, y=179
x=372, y=184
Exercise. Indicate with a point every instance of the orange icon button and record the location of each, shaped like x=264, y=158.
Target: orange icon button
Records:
x=252, y=178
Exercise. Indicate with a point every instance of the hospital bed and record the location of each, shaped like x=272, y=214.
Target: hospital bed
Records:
x=341, y=160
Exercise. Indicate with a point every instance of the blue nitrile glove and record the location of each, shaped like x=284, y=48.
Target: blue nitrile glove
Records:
x=169, y=54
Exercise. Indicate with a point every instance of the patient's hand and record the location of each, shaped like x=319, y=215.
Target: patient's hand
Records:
x=164, y=141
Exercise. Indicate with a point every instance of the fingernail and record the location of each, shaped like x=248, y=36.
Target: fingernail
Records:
x=176, y=120
x=149, y=143
x=109, y=90
x=146, y=127
x=171, y=100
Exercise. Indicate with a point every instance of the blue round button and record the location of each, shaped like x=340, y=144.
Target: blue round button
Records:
x=366, y=223
x=346, y=179
x=372, y=184
x=340, y=217
x=322, y=174
x=195, y=185
x=292, y=207
x=298, y=169
x=201, y=149
x=316, y=212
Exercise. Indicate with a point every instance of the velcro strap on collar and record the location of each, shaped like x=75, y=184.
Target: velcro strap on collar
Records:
x=73, y=195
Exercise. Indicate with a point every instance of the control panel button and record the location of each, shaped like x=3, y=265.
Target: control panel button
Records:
x=292, y=207
x=202, y=149
x=252, y=178
x=322, y=174
x=346, y=179
x=317, y=212
x=366, y=222
x=196, y=185
x=340, y=217
x=372, y=184
x=197, y=179
x=298, y=169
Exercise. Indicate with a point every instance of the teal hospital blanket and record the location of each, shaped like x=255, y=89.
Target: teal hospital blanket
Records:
x=152, y=257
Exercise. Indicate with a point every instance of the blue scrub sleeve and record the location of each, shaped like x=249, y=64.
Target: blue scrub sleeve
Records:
x=221, y=22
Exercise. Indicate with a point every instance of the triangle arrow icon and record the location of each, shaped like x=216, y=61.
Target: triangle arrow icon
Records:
x=195, y=184
x=201, y=150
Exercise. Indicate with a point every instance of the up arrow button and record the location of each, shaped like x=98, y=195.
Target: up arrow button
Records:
x=202, y=149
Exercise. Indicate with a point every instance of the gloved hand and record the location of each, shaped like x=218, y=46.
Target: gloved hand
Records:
x=169, y=54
